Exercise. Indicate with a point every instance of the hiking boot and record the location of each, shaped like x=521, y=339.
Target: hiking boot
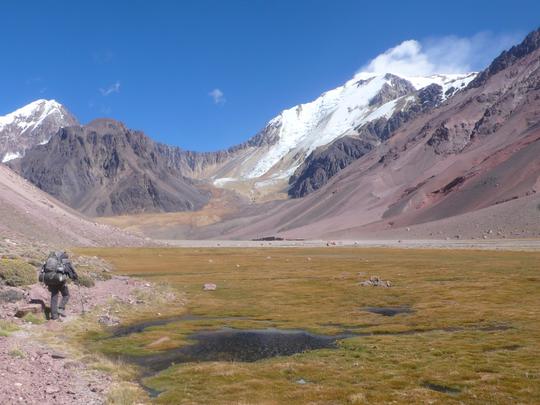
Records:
x=61, y=312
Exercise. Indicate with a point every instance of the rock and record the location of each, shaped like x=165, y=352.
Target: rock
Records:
x=38, y=293
x=72, y=365
x=11, y=295
x=52, y=390
x=26, y=309
x=301, y=381
x=108, y=320
x=209, y=287
x=375, y=281
x=158, y=342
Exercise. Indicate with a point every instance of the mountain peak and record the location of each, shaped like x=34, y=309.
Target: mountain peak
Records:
x=530, y=44
x=31, y=125
x=37, y=108
x=102, y=124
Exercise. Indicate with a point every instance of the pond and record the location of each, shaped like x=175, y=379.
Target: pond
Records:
x=236, y=345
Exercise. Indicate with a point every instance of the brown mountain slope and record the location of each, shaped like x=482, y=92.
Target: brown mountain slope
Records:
x=104, y=168
x=479, y=149
x=30, y=215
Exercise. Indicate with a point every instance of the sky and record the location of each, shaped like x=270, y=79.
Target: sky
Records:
x=207, y=74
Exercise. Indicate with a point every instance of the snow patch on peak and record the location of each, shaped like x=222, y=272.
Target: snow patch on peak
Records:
x=308, y=126
x=10, y=156
x=31, y=125
x=303, y=128
x=444, y=80
x=32, y=114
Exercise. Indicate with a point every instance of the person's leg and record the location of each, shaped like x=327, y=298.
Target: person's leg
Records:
x=54, y=301
x=65, y=298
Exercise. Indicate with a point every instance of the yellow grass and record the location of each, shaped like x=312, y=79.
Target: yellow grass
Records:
x=460, y=297
x=168, y=224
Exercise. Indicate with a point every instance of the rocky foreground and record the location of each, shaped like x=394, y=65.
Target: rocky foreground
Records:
x=33, y=369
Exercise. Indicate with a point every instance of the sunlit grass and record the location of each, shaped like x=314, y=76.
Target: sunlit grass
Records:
x=454, y=293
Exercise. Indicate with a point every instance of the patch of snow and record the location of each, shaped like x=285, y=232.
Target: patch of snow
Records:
x=265, y=183
x=384, y=111
x=305, y=127
x=222, y=181
x=444, y=80
x=458, y=83
x=10, y=156
x=31, y=115
x=308, y=126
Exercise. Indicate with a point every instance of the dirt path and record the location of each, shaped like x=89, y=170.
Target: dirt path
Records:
x=34, y=373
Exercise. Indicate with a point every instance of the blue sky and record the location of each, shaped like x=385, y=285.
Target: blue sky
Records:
x=205, y=75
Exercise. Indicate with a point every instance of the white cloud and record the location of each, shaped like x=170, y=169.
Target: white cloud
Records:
x=450, y=54
x=218, y=96
x=113, y=88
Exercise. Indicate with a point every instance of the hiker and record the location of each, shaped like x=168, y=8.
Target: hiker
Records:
x=54, y=274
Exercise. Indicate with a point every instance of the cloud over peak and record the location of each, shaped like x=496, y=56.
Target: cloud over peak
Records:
x=449, y=54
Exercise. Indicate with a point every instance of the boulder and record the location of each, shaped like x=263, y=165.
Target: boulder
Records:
x=11, y=295
x=108, y=320
x=26, y=309
x=38, y=293
x=376, y=281
x=209, y=287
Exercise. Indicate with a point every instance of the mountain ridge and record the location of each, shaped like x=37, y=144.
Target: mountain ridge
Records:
x=386, y=131
x=103, y=168
x=31, y=125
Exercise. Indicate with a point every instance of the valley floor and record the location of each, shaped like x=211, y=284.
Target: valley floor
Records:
x=493, y=244
x=466, y=328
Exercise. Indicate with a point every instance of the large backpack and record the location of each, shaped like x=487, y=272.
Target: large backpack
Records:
x=53, y=271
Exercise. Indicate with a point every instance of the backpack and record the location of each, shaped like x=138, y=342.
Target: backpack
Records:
x=53, y=271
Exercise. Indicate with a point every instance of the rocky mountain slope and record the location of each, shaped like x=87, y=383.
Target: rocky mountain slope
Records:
x=104, y=168
x=30, y=216
x=31, y=125
x=89, y=173
x=379, y=152
x=323, y=163
x=477, y=149
x=366, y=110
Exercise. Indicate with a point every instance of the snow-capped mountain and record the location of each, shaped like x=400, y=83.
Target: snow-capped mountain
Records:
x=31, y=125
x=297, y=132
